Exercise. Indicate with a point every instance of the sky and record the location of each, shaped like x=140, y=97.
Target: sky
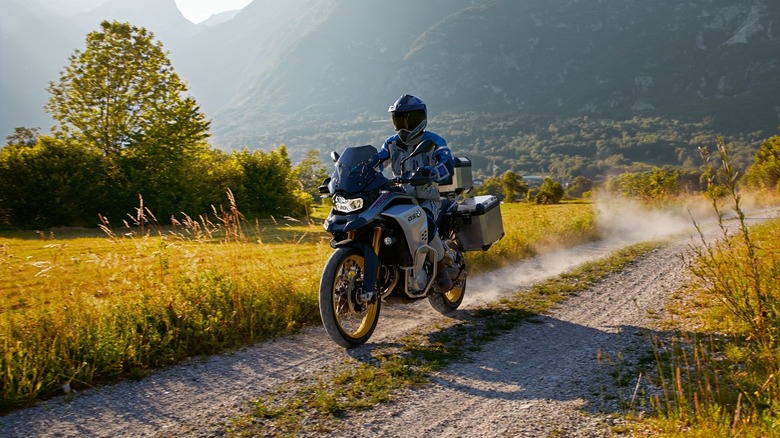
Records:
x=199, y=10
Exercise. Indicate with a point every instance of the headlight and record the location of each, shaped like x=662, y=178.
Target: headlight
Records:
x=345, y=205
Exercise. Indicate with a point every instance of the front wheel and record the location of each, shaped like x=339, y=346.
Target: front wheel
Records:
x=347, y=316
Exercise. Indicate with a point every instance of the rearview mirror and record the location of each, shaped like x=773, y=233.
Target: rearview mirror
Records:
x=334, y=156
x=323, y=188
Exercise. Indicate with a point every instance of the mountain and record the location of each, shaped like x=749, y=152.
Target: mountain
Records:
x=343, y=61
x=161, y=17
x=220, y=18
x=612, y=58
x=63, y=8
x=31, y=53
x=317, y=73
x=223, y=61
x=36, y=40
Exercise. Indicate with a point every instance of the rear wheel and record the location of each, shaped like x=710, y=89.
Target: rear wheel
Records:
x=448, y=302
x=347, y=316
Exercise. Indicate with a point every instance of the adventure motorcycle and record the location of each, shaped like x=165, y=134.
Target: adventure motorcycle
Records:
x=381, y=241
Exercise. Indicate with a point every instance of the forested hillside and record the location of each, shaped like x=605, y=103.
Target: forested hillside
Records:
x=710, y=66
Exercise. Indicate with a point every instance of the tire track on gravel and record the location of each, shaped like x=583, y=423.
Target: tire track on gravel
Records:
x=543, y=378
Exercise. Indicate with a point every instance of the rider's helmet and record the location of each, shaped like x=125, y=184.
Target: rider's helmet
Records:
x=410, y=116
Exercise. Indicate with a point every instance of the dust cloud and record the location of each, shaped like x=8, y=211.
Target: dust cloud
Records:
x=621, y=222
x=630, y=222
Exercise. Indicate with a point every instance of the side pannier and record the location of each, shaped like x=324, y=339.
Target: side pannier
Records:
x=479, y=222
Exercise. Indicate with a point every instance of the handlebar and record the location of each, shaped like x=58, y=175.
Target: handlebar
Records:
x=414, y=179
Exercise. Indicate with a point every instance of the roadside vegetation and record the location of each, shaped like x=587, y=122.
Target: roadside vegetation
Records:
x=719, y=373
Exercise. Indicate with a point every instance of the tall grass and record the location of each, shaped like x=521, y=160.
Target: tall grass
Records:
x=726, y=381
x=81, y=311
x=122, y=305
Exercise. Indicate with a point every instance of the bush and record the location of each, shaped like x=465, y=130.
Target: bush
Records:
x=764, y=173
x=550, y=192
x=52, y=183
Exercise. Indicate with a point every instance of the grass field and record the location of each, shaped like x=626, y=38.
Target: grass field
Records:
x=82, y=307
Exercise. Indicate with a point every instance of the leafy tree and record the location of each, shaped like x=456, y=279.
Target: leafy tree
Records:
x=122, y=91
x=550, y=192
x=579, y=186
x=764, y=173
x=219, y=172
x=655, y=184
x=166, y=168
x=663, y=182
x=491, y=186
x=23, y=137
x=513, y=186
x=122, y=97
x=310, y=173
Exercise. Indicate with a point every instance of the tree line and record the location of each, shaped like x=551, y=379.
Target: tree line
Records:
x=52, y=182
x=127, y=134
x=548, y=145
x=651, y=184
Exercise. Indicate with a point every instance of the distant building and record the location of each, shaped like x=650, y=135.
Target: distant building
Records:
x=533, y=181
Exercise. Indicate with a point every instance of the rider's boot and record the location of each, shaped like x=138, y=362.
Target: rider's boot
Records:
x=443, y=277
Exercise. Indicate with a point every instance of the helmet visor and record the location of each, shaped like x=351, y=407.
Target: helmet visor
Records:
x=408, y=120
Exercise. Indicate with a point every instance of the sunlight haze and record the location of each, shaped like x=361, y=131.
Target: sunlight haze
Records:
x=199, y=10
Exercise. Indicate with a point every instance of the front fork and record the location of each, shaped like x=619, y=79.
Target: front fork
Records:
x=371, y=267
x=375, y=242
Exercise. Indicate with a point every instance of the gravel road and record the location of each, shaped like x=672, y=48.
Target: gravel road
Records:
x=550, y=377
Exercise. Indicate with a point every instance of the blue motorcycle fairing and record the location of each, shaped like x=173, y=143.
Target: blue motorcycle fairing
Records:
x=340, y=222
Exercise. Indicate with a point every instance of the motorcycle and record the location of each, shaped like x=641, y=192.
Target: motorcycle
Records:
x=381, y=242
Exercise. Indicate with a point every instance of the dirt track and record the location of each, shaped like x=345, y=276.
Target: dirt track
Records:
x=542, y=378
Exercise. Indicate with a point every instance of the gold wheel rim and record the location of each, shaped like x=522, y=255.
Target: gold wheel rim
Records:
x=350, y=268
x=454, y=294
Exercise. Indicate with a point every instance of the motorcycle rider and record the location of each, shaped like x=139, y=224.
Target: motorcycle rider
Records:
x=410, y=118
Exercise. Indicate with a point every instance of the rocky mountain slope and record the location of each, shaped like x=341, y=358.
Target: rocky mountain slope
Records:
x=299, y=64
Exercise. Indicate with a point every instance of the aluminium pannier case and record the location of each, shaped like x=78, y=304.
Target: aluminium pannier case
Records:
x=461, y=181
x=479, y=221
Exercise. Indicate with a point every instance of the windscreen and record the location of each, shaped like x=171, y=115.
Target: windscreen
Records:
x=355, y=155
x=350, y=176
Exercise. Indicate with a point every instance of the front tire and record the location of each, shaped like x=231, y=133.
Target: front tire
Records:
x=348, y=318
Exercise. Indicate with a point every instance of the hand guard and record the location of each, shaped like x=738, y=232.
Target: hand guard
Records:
x=426, y=172
x=441, y=172
x=373, y=161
